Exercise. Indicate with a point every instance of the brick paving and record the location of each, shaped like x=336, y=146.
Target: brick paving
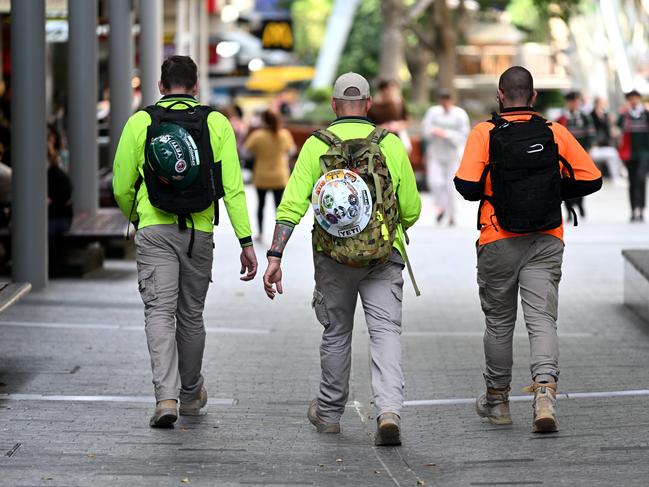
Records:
x=84, y=337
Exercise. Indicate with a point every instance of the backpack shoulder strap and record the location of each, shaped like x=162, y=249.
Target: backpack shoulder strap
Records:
x=377, y=135
x=497, y=120
x=327, y=137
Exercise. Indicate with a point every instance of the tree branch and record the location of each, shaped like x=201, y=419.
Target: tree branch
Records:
x=427, y=41
x=415, y=11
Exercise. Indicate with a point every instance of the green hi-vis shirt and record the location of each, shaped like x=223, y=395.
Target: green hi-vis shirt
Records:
x=297, y=195
x=129, y=161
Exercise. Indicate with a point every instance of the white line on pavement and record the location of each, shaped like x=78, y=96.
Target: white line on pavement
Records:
x=569, y=395
x=107, y=326
x=59, y=397
x=385, y=467
x=480, y=334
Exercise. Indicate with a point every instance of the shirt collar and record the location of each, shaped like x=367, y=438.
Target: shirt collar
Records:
x=179, y=95
x=352, y=118
x=518, y=109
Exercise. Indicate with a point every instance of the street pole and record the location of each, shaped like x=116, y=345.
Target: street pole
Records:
x=203, y=46
x=120, y=67
x=29, y=179
x=150, y=49
x=82, y=104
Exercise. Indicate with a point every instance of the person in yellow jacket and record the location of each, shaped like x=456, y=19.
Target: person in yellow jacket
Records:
x=337, y=286
x=173, y=280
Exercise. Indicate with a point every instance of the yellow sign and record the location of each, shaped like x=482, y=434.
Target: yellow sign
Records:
x=276, y=78
x=277, y=35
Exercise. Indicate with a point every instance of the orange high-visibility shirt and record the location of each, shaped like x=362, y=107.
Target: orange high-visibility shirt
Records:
x=476, y=158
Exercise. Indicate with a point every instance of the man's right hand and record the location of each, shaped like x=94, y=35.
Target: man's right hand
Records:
x=273, y=275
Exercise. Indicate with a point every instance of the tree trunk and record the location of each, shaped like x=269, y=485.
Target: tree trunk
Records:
x=392, y=40
x=446, y=41
x=418, y=62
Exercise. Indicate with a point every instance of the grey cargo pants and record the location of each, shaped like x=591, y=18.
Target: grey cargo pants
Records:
x=531, y=264
x=337, y=288
x=173, y=288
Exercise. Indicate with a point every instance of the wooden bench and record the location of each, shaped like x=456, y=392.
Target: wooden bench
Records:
x=636, y=281
x=84, y=246
x=11, y=293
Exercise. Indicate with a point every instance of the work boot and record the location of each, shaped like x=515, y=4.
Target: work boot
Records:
x=494, y=405
x=165, y=415
x=388, y=430
x=320, y=424
x=193, y=407
x=545, y=418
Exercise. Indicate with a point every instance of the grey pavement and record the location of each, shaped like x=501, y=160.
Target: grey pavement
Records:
x=85, y=337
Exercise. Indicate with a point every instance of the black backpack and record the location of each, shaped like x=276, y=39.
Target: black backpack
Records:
x=208, y=187
x=524, y=164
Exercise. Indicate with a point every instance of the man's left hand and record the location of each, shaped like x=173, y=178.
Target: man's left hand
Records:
x=248, y=263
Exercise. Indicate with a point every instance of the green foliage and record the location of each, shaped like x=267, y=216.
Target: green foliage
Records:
x=361, y=54
x=309, y=25
x=318, y=95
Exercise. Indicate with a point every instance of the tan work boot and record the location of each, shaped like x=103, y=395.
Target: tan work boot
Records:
x=193, y=407
x=494, y=405
x=388, y=430
x=165, y=415
x=545, y=417
x=321, y=425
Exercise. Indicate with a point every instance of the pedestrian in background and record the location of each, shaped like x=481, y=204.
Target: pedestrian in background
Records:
x=191, y=161
x=581, y=128
x=445, y=128
x=389, y=111
x=634, y=151
x=270, y=147
x=604, y=145
x=510, y=164
x=359, y=249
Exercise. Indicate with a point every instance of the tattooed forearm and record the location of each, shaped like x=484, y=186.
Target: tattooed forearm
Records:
x=280, y=237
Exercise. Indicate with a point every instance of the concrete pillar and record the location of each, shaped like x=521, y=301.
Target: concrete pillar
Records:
x=182, y=45
x=150, y=49
x=193, y=29
x=203, y=59
x=82, y=104
x=28, y=148
x=120, y=67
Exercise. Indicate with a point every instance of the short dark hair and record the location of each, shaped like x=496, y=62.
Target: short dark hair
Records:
x=517, y=84
x=386, y=83
x=572, y=96
x=633, y=93
x=179, y=71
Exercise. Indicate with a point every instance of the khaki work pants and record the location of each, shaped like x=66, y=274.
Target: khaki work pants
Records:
x=173, y=287
x=337, y=288
x=531, y=265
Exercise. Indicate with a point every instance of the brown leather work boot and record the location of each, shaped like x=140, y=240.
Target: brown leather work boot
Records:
x=545, y=417
x=321, y=425
x=165, y=415
x=388, y=430
x=494, y=405
x=193, y=407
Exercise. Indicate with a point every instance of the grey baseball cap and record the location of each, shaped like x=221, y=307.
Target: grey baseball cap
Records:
x=351, y=80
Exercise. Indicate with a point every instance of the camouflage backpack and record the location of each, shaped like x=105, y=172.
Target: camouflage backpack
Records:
x=364, y=157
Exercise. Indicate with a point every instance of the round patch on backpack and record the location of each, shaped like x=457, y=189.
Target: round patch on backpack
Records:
x=342, y=203
x=173, y=156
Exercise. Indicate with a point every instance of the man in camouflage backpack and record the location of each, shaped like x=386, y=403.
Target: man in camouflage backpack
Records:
x=359, y=249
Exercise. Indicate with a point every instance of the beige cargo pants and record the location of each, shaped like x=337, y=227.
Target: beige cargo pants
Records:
x=173, y=288
x=380, y=288
x=531, y=265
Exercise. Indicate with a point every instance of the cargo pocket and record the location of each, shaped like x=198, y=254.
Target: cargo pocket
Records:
x=147, y=285
x=484, y=297
x=318, y=304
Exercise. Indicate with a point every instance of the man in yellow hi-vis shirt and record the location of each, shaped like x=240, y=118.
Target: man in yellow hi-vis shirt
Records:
x=342, y=267
x=174, y=161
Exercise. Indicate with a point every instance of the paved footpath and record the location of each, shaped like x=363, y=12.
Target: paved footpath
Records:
x=75, y=391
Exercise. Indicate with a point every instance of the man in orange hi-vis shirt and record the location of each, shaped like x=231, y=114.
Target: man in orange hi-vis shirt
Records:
x=520, y=167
